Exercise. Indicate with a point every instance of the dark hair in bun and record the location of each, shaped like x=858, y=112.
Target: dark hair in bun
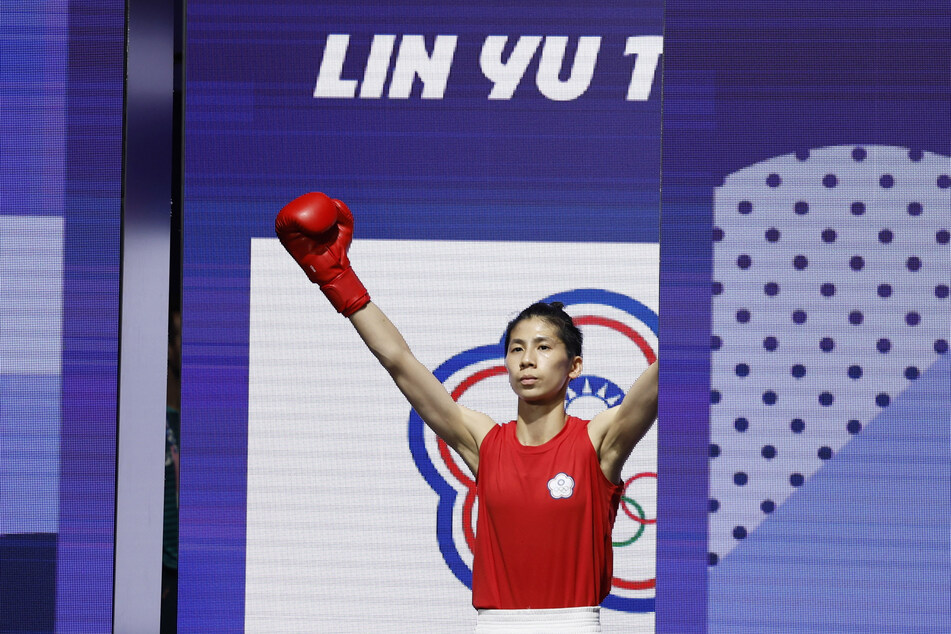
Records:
x=554, y=313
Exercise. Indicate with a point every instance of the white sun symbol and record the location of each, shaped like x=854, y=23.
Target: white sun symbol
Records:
x=589, y=395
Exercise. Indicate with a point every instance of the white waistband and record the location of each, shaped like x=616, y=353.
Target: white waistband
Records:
x=586, y=620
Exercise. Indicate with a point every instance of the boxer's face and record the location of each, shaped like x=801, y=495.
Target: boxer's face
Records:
x=537, y=361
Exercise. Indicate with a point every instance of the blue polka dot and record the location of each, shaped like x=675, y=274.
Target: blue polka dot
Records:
x=740, y=478
x=743, y=316
x=800, y=262
x=856, y=263
x=714, y=450
x=769, y=397
x=714, y=505
x=772, y=288
x=944, y=181
x=941, y=346
x=941, y=291
x=912, y=373
x=825, y=399
x=827, y=289
x=913, y=263
x=717, y=288
x=914, y=209
x=745, y=207
x=797, y=425
x=856, y=317
x=915, y=155
x=799, y=316
x=744, y=261
x=886, y=181
x=829, y=180
x=801, y=208
x=885, y=236
x=798, y=371
x=768, y=452
x=855, y=372
x=912, y=318
x=767, y=506
x=796, y=479
x=802, y=155
x=826, y=344
x=770, y=343
x=715, y=396
x=739, y=533
x=942, y=236
x=772, y=234
x=712, y=559
x=883, y=345
x=717, y=234
x=742, y=369
x=715, y=342
x=773, y=180
x=828, y=235
x=741, y=424
x=884, y=290
x=882, y=400
x=857, y=208
x=825, y=453
x=853, y=426
x=858, y=154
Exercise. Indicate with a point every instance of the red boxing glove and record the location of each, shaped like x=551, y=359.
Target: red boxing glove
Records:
x=316, y=230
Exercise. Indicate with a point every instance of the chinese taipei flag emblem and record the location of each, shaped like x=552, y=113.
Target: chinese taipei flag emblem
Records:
x=620, y=335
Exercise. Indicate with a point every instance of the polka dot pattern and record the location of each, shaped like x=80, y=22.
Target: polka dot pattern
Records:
x=831, y=297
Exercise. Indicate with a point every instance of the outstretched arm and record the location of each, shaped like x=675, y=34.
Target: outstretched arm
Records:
x=615, y=431
x=463, y=429
x=316, y=230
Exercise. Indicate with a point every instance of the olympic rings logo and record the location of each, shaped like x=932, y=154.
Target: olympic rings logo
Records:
x=640, y=518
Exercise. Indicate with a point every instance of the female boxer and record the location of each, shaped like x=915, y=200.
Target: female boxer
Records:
x=548, y=483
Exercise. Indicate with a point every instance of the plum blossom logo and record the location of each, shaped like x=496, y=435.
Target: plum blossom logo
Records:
x=561, y=486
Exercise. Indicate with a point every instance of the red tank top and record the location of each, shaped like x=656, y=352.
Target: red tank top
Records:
x=543, y=534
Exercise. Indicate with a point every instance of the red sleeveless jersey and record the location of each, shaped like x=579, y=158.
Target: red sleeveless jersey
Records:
x=543, y=535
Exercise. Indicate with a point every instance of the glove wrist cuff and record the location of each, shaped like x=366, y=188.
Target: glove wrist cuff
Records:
x=346, y=293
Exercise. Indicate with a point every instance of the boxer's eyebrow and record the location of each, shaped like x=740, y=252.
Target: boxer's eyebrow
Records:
x=538, y=338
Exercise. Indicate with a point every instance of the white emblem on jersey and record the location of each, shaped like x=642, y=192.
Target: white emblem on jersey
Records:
x=561, y=486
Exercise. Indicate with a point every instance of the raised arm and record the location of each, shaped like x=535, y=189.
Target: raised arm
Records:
x=615, y=432
x=463, y=429
x=316, y=231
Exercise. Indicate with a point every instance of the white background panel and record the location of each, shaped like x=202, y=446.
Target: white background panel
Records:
x=341, y=526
